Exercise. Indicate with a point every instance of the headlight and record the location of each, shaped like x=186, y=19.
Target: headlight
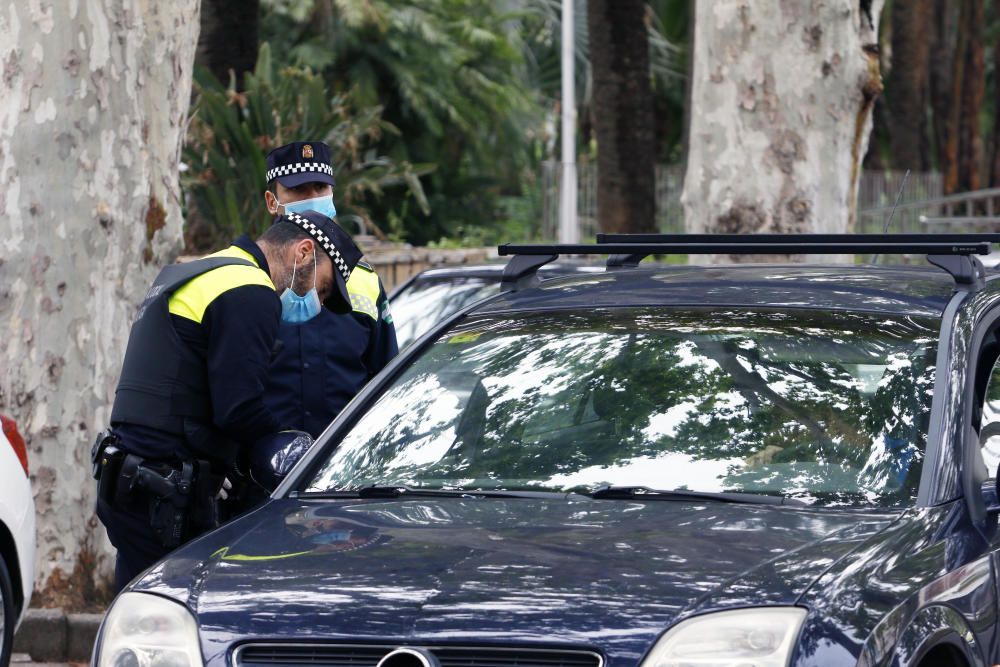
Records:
x=143, y=630
x=761, y=637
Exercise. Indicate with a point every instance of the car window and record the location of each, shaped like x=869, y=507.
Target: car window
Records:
x=425, y=303
x=829, y=408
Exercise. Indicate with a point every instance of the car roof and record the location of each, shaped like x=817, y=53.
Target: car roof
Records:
x=898, y=290
x=495, y=271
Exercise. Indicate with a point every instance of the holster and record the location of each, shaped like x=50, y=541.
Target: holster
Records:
x=104, y=448
x=107, y=481
x=107, y=468
x=117, y=483
x=169, y=492
x=182, y=502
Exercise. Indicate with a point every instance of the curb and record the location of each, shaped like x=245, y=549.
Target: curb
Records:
x=50, y=635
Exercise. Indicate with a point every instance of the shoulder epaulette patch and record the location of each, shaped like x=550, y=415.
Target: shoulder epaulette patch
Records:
x=365, y=265
x=364, y=289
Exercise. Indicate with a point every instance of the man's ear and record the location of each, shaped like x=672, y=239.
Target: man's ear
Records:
x=304, y=250
x=271, y=202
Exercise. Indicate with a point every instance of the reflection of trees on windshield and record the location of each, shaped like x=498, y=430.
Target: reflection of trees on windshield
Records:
x=828, y=407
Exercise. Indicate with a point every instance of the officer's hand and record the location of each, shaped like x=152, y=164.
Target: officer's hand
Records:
x=223, y=492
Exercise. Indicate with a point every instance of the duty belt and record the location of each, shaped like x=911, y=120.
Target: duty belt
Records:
x=180, y=501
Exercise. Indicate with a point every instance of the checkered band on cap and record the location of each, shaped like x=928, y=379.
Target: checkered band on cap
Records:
x=323, y=240
x=299, y=168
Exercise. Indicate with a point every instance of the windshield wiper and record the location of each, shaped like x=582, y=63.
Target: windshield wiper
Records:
x=645, y=493
x=397, y=490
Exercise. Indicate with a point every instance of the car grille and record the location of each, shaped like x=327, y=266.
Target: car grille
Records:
x=348, y=655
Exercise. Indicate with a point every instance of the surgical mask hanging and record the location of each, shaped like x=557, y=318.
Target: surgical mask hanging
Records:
x=322, y=205
x=297, y=309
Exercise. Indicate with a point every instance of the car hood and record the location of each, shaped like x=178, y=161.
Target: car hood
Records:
x=607, y=572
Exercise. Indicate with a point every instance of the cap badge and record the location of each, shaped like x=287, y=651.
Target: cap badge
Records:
x=307, y=151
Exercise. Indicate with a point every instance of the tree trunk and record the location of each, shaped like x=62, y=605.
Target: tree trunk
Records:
x=93, y=100
x=994, y=174
x=952, y=127
x=782, y=99
x=229, y=38
x=907, y=83
x=623, y=115
x=944, y=37
x=970, y=141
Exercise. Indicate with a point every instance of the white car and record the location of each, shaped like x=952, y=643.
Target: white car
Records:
x=17, y=535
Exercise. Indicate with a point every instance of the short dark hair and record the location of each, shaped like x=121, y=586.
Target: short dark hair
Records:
x=282, y=233
x=272, y=187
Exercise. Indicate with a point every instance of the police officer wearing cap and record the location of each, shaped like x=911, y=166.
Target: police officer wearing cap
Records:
x=192, y=388
x=329, y=354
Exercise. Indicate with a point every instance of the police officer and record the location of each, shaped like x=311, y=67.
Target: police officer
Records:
x=326, y=357
x=191, y=392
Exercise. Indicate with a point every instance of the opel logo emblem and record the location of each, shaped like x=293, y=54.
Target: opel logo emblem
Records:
x=409, y=656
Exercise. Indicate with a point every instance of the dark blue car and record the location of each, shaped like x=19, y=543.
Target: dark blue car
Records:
x=762, y=465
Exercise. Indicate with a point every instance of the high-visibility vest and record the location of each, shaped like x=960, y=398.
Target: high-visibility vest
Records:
x=164, y=384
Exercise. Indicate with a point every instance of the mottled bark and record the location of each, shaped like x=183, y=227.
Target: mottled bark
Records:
x=907, y=83
x=782, y=95
x=229, y=38
x=93, y=99
x=623, y=115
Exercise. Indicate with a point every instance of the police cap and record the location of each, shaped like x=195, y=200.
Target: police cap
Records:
x=300, y=162
x=338, y=246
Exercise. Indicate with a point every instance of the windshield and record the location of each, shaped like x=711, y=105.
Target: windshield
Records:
x=827, y=408
x=425, y=303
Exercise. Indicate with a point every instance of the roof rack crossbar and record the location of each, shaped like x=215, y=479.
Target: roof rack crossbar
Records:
x=937, y=237
x=840, y=247
x=951, y=252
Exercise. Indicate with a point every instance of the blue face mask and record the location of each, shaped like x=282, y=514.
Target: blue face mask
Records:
x=322, y=205
x=297, y=309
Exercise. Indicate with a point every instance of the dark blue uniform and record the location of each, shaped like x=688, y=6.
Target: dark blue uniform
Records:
x=225, y=320
x=324, y=362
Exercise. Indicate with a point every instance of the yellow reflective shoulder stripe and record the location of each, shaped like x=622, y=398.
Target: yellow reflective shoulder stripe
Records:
x=191, y=300
x=363, y=286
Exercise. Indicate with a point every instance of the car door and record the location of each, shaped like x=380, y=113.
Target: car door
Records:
x=982, y=458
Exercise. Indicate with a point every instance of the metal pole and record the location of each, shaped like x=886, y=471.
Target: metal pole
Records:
x=569, y=231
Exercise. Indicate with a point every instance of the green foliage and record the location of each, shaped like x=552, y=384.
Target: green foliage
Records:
x=448, y=77
x=231, y=133
x=473, y=88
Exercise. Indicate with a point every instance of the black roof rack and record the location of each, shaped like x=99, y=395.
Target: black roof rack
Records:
x=951, y=252
x=808, y=239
